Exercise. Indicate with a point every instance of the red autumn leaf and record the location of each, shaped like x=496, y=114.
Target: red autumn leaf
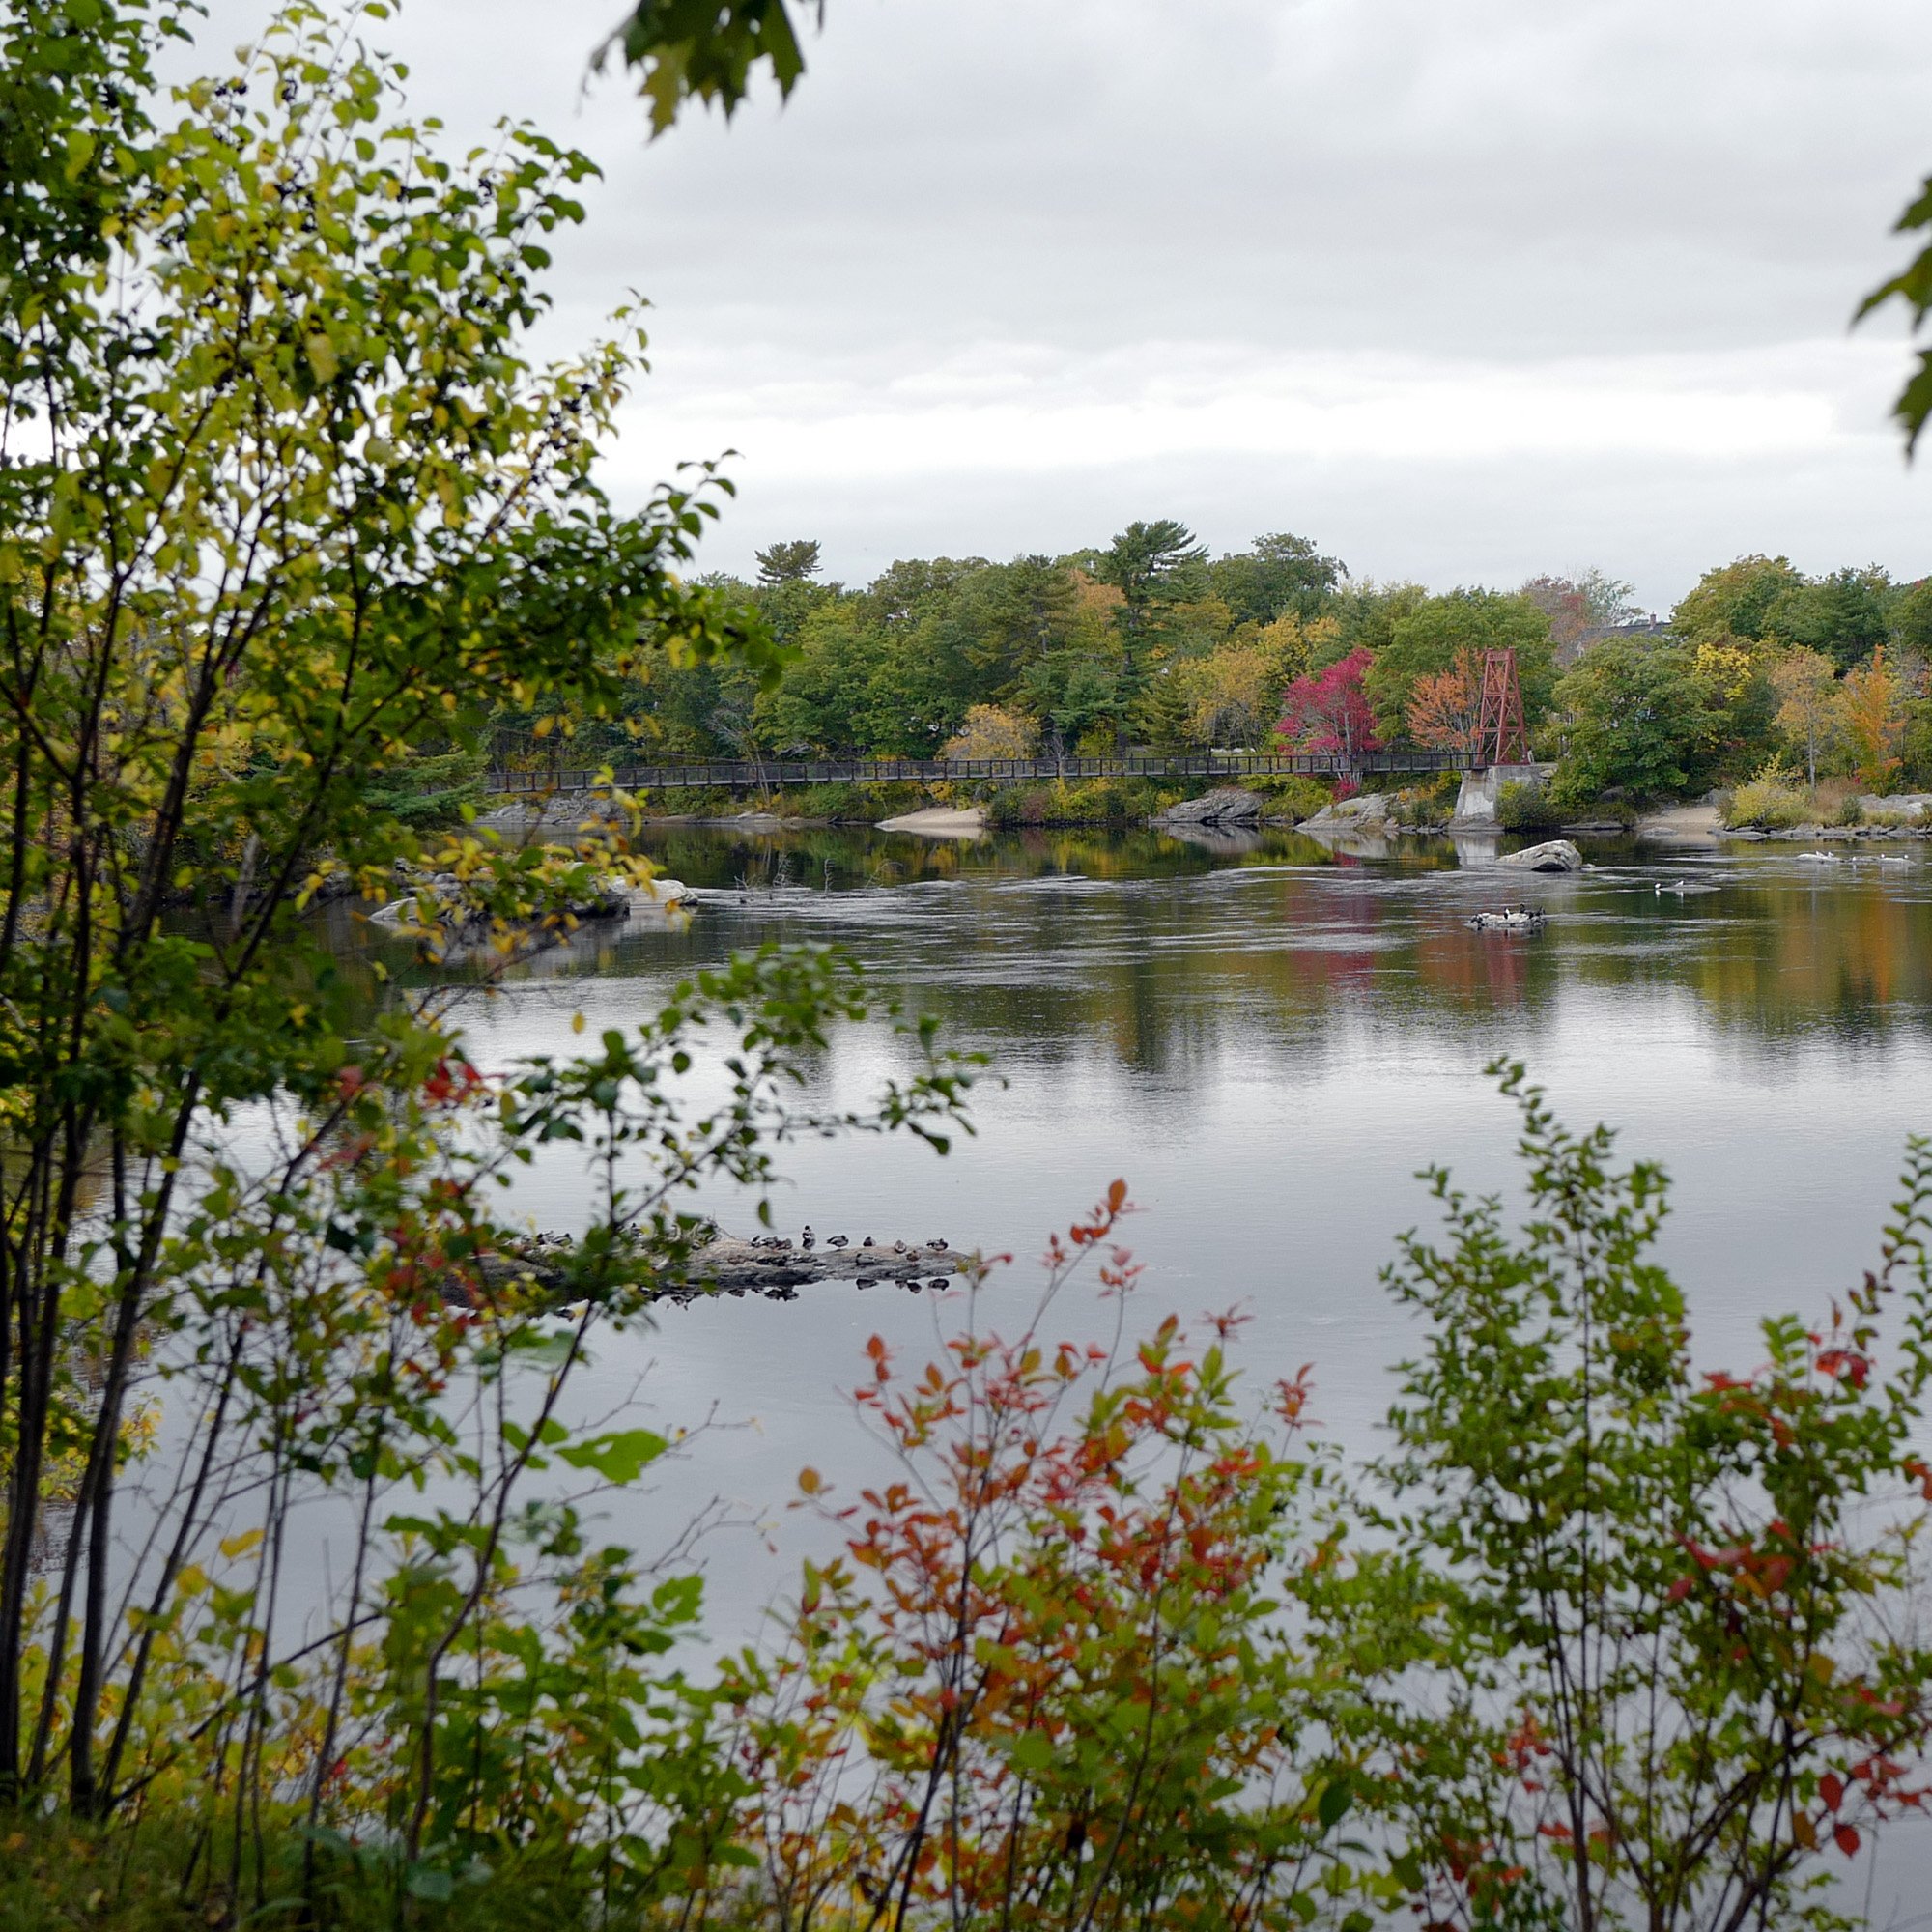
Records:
x=1831, y=1789
x=1846, y=1838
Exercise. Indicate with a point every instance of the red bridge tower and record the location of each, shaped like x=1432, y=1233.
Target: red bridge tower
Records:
x=1499, y=728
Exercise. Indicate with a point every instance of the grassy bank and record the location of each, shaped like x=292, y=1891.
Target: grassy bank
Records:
x=1776, y=804
x=1089, y=802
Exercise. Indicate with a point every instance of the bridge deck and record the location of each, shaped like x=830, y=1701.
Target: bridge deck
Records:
x=768, y=774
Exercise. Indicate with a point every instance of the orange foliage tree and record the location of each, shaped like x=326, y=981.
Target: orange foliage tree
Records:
x=1871, y=715
x=1445, y=707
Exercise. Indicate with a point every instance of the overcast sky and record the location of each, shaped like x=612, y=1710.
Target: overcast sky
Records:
x=1463, y=289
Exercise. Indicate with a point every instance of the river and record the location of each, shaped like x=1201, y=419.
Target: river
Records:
x=1267, y=1046
x=1268, y=1043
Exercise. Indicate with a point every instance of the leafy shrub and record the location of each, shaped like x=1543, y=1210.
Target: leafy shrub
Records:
x=1053, y=1648
x=1851, y=809
x=1093, y=802
x=1773, y=800
x=1294, y=795
x=1526, y=805
x=1637, y=1638
x=859, y=804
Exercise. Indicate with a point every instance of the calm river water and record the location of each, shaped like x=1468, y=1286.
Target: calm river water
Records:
x=1267, y=1045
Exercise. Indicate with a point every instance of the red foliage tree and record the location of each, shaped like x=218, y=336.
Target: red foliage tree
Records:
x=1328, y=710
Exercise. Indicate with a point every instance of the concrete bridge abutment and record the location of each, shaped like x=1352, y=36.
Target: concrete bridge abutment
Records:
x=1476, y=800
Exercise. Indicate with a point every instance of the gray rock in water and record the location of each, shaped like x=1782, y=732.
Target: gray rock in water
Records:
x=1227, y=805
x=1366, y=811
x=1555, y=854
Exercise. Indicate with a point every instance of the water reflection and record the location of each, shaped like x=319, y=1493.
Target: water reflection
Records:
x=1047, y=940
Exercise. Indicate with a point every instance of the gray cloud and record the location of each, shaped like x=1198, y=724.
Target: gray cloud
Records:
x=1463, y=288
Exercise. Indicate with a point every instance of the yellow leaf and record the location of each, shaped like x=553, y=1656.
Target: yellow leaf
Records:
x=322, y=357
x=241, y=1545
x=577, y=1022
x=1821, y=1667
x=810, y=1481
x=192, y=1580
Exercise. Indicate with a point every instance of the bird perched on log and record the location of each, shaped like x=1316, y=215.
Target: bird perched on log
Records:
x=836, y=1241
x=867, y=1242
x=807, y=1238
x=937, y=1244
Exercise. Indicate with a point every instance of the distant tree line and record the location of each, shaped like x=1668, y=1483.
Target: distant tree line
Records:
x=1150, y=641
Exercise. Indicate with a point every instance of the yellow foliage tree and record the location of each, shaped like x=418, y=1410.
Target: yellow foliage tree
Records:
x=1728, y=665
x=993, y=731
x=1807, y=701
x=1231, y=695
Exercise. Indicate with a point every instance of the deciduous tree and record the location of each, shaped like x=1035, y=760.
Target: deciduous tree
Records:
x=285, y=498
x=1871, y=717
x=1445, y=707
x=1636, y=718
x=1808, y=702
x=1329, y=711
x=1440, y=632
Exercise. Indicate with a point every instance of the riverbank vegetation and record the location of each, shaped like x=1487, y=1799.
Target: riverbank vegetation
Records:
x=290, y=514
x=1604, y=1641
x=1149, y=642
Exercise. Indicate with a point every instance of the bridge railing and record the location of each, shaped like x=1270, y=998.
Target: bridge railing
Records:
x=770, y=773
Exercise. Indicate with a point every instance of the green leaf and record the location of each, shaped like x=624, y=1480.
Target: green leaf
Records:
x=430, y=1883
x=702, y=49
x=1332, y=1807
x=619, y=1457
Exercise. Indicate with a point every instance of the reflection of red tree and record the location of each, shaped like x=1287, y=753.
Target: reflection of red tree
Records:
x=1445, y=707
x=1328, y=711
x=1475, y=966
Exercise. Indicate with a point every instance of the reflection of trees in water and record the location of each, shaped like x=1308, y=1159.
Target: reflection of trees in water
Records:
x=1174, y=973
x=1780, y=959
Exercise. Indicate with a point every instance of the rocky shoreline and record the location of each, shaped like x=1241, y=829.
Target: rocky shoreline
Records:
x=455, y=932
x=773, y=1267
